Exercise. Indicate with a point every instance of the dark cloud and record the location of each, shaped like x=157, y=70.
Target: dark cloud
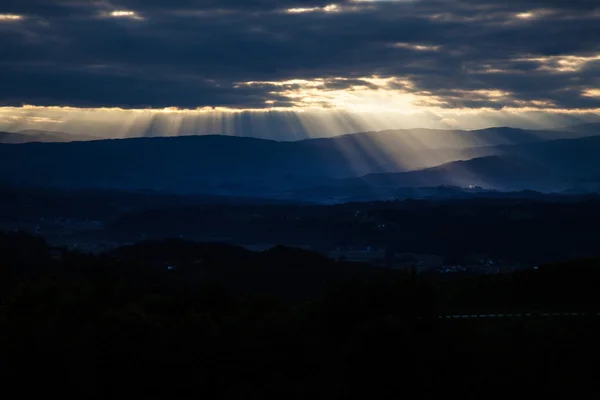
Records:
x=190, y=54
x=57, y=8
x=244, y=5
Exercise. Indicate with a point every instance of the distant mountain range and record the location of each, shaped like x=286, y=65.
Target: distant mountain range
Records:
x=32, y=135
x=505, y=173
x=588, y=129
x=393, y=138
x=357, y=166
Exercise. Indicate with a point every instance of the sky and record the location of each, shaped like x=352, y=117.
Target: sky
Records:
x=286, y=69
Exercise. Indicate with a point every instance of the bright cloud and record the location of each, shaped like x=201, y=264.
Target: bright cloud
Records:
x=425, y=60
x=563, y=63
x=328, y=8
x=591, y=92
x=10, y=17
x=124, y=14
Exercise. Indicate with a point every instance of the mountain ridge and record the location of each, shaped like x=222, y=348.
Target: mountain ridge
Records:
x=35, y=136
x=499, y=172
x=501, y=133
x=247, y=166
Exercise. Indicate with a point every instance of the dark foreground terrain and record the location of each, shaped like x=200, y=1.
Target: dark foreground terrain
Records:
x=178, y=319
x=460, y=228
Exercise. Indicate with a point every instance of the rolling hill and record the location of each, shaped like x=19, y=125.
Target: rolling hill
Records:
x=31, y=136
x=592, y=128
x=504, y=173
x=241, y=166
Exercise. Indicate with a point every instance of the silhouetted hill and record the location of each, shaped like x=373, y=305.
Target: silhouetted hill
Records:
x=221, y=164
x=242, y=166
x=126, y=327
x=33, y=135
x=13, y=138
x=410, y=149
x=504, y=173
x=569, y=158
x=588, y=129
x=570, y=165
x=560, y=164
x=443, y=138
x=288, y=273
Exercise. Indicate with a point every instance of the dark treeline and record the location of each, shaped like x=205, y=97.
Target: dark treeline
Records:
x=526, y=230
x=31, y=203
x=177, y=319
x=524, y=227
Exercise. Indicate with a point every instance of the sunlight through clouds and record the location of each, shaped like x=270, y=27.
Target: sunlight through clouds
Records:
x=326, y=9
x=591, y=92
x=525, y=15
x=125, y=14
x=10, y=17
x=314, y=68
x=563, y=63
x=535, y=14
x=283, y=124
x=372, y=95
x=411, y=148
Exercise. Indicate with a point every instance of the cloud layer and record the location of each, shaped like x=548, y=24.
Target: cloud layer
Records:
x=290, y=54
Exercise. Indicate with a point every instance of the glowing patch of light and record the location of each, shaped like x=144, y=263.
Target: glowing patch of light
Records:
x=490, y=70
x=525, y=15
x=10, y=17
x=591, y=93
x=314, y=94
x=536, y=103
x=536, y=14
x=302, y=82
x=124, y=14
x=381, y=82
x=416, y=47
x=301, y=10
x=568, y=63
x=297, y=123
x=326, y=9
x=45, y=120
x=492, y=94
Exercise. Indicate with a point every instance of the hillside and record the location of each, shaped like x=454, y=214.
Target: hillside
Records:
x=592, y=128
x=179, y=164
x=504, y=173
x=32, y=135
x=241, y=166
